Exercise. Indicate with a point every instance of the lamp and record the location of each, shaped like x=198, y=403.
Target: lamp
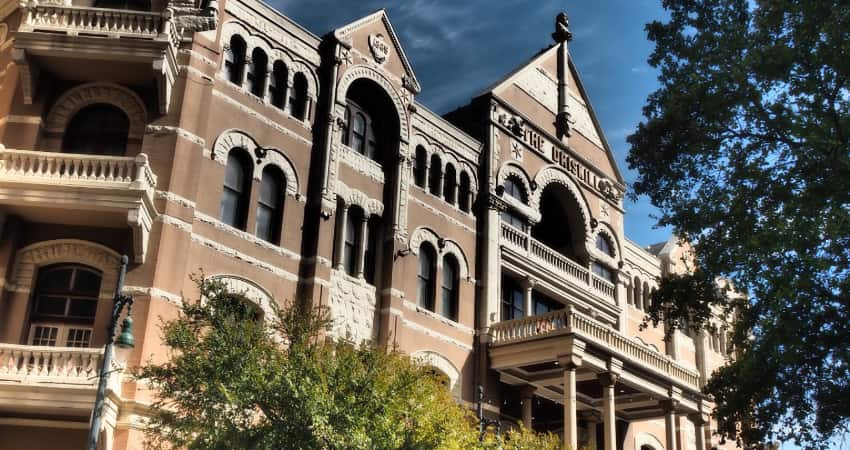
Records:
x=126, y=339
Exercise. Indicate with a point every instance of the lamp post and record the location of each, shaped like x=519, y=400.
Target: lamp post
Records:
x=125, y=340
x=483, y=422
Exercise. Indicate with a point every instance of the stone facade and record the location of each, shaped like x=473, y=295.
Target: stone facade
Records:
x=222, y=137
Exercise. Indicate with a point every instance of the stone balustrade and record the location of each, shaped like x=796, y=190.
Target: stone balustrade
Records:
x=49, y=366
x=567, y=321
x=77, y=20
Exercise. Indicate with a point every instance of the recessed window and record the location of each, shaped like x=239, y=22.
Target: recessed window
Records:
x=425, y=277
x=450, y=184
x=464, y=194
x=370, y=259
x=64, y=306
x=436, y=174
x=420, y=166
x=604, y=245
x=257, y=72
x=270, y=205
x=603, y=272
x=237, y=189
x=514, y=188
x=234, y=59
x=512, y=299
x=352, y=240
x=298, y=99
x=98, y=129
x=277, y=84
x=449, y=289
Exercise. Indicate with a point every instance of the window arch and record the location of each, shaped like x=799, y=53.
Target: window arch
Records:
x=420, y=167
x=257, y=72
x=426, y=277
x=298, y=99
x=450, y=184
x=514, y=188
x=237, y=189
x=449, y=288
x=270, y=205
x=97, y=129
x=278, y=84
x=64, y=305
x=603, y=244
x=436, y=174
x=234, y=59
x=464, y=193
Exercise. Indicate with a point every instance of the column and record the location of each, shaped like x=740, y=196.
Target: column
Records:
x=669, y=407
x=570, y=362
x=342, y=219
x=267, y=94
x=699, y=430
x=427, y=174
x=527, y=396
x=363, y=234
x=441, y=182
x=609, y=421
x=528, y=296
x=245, y=69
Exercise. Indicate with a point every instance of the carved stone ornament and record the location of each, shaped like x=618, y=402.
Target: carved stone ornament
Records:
x=606, y=187
x=380, y=47
x=562, y=28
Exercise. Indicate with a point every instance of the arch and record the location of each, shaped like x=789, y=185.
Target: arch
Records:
x=278, y=84
x=555, y=174
x=355, y=197
x=97, y=129
x=359, y=71
x=234, y=137
x=649, y=440
x=606, y=230
x=249, y=289
x=77, y=98
x=450, y=184
x=420, y=235
x=258, y=69
x=452, y=248
x=32, y=257
x=420, y=166
x=424, y=234
x=299, y=100
x=510, y=169
x=435, y=174
x=438, y=361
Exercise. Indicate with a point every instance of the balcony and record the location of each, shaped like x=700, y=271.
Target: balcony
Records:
x=136, y=46
x=85, y=190
x=53, y=381
x=572, y=272
x=565, y=322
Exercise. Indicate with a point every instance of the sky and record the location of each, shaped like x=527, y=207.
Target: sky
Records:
x=459, y=48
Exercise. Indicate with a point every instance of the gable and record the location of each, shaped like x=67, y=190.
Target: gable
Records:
x=373, y=41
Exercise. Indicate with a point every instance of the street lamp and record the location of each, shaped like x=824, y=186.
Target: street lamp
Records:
x=125, y=340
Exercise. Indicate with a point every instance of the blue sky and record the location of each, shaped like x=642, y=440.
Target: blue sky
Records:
x=458, y=48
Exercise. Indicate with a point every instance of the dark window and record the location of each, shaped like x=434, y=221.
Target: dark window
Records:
x=544, y=304
x=352, y=235
x=645, y=292
x=513, y=219
x=370, y=260
x=603, y=272
x=234, y=59
x=257, y=72
x=298, y=99
x=358, y=133
x=98, y=129
x=603, y=244
x=636, y=297
x=277, y=84
x=450, y=184
x=556, y=226
x=137, y=5
x=436, y=174
x=449, y=291
x=420, y=167
x=425, y=277
x=346, y=127
x=464, y=197
x=270, y=205
x=514, y=188
x=237, y=189
x=512, y=299
x=64, y=306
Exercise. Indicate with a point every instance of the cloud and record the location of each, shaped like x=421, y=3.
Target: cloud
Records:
x=640, y=69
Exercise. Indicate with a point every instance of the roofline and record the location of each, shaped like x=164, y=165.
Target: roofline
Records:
x=461, y=135
x=289, y=22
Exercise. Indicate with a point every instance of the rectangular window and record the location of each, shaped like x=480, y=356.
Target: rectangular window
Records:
x=349, y=252
x=44, y=335
x=512, y=300
x=78, y=337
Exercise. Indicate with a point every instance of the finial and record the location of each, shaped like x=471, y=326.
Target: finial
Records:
x=562, y=28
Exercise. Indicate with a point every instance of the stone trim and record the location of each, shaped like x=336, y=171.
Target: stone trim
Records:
x=436, y=360
x=233, y=138
x=449, y=247
x=354, y=197
x=77, y=98
x=32, y=257
x=248, y=288
x=442, y=215
x=556, y=174
x=360, y=71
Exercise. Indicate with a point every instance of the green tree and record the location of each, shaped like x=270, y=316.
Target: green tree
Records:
x=744, y=149
x=237, y=380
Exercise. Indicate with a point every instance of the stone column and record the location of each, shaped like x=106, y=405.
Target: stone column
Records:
x=699, y=430
x=528, y=296
x=342, y=219
x=526, y=394
x=363, y=233
x=245, y=69
x=669, y=407
x=570, y=362
x=267, y=93
x=609, y=380
x=427, y=173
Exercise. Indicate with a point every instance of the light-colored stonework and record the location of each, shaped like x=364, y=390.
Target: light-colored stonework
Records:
x=550, y=327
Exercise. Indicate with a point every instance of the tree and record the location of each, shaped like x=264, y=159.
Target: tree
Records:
x=238, y=380
x=744, y=150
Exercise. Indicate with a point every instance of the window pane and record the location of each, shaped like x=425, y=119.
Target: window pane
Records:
x=357, y=143
x=78, y=337
x=44, y=336
x=426, y=278
x=51, y=306
x=229, y=207
x=86, y=282
x=55, y=280
x=82, y=308
x=264, y=223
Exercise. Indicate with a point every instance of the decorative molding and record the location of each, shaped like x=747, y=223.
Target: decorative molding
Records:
x=176, y=199
x=436, y=360
x=79, y=97
x=443, y=215
x=170, y=297
x=379, y=47
x=249, y=289
x=263, y=119
x=32, y=257
x=235, y=254
x=352, y=303
x=351, y=196
x=460, y=327
x=556, y=174
x=233, y=138
x=166, y=129
x=441, y=246
x=357, y=72
x=360, y=163
x=219, y=225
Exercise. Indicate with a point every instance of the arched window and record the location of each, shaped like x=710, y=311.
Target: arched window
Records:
x=425, y=277
x=97, y=129
x=645, y=292
x=464, y=197
x=234, y=59
x=449, y=289
x=420, y=166
x=64, y=305
x=358, y=132
x=450, y=184
x=604, y=245
x=436, y=174
x=270, y=205
x=257, y=72
x=370, y=259
x=636, y=296
x=351, y=240
x=237, y=189
x=514, y=188
x=298, y=99
x=277, y=84
x=561, y=227
x=602, y=271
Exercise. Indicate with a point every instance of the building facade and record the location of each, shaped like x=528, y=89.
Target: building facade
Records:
x=223, y=138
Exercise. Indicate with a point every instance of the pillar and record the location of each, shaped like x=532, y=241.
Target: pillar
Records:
x=609, y=421
x=342, y=220
x=570, y=362
x=669, y=407
x=363, y=234
x=528, y=296
x=526, y=395
x=699, y=430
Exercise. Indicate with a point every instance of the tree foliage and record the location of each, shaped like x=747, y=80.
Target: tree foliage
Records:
x=237, y=380
x=745, y=150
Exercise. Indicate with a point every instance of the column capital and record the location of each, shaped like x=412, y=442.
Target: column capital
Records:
x=608, y=379
x=529, y=282
x=699, y=418
x=527, y=391
x=669, y=405
x=575, y=352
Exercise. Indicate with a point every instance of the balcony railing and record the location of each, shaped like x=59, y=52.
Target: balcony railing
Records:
x=532, y=248
x=566, y=321
x=49, y=366
x=77, y=20
x=70, y=168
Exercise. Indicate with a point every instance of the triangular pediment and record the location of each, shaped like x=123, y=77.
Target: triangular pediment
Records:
x=533, y=90
x=374, y=41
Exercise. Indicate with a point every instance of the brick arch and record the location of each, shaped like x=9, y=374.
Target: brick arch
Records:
x=232, y=138
x=77, y=98
x=510, y=169
x=555, y=174
x=250, y=290
x=358, y=72
x=439, y=362
x=449, y=247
